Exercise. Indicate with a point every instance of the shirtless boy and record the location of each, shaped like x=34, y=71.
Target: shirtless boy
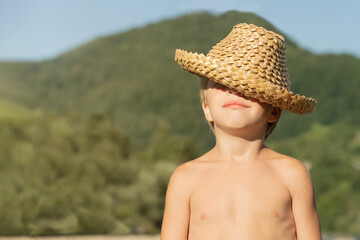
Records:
x=241, y=189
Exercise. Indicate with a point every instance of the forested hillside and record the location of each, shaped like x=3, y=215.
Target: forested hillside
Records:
x=121, y=106
x=132, y=77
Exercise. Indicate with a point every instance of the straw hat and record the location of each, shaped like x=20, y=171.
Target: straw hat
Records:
x=252, y=61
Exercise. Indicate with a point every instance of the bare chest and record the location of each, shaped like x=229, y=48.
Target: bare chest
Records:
x=237, y=201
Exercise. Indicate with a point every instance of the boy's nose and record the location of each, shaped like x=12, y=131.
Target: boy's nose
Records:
x=230, y=91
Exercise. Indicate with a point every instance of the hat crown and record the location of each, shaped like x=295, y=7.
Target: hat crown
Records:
x=254, y=51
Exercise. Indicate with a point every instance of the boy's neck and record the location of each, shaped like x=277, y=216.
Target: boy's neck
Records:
x=237, y=148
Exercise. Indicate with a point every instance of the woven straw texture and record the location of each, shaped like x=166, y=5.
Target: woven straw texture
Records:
x=252, y=61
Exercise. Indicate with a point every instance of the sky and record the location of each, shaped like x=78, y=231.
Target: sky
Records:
x=35, y=30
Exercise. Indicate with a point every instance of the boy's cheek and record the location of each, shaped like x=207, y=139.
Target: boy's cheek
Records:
x=207, y=112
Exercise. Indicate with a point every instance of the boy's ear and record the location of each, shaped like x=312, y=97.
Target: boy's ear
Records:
x=275, y=114
x=206, y=110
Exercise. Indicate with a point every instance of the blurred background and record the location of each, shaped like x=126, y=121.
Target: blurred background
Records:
x=95, y=115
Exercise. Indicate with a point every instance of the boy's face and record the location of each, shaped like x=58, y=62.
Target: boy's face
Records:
x=229, y=110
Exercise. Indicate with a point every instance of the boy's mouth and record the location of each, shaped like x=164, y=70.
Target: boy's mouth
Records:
x=235, y=105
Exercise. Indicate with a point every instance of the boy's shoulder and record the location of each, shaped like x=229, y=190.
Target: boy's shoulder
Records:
x=189, y=171
x=288, y=165
x=292, y=171
x=282, y=161
x=184, y=178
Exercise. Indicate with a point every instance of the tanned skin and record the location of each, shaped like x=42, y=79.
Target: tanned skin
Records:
x=240, y=189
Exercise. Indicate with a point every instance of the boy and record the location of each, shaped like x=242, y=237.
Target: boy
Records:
x=241, y=189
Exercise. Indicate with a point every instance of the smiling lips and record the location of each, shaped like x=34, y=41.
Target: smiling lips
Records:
x=234, y=105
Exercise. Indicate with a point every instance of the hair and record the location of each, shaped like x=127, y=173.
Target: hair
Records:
x=204, y=85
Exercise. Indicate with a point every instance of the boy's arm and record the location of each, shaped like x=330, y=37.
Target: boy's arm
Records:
x=303, y=203
x=177, y=210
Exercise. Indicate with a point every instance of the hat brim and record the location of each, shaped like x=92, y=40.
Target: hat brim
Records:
x=229, y=75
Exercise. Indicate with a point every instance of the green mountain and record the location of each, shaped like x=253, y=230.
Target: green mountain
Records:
x=130, y=80
x=132, y=77
x=9, y=110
